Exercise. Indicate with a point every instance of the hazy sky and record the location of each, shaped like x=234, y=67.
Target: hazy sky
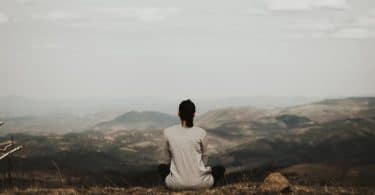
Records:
x=190, y=48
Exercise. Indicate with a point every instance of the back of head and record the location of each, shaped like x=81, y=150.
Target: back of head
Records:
x=186, y=111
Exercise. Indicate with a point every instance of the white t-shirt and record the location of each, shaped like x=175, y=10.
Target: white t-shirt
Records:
x=185, y=149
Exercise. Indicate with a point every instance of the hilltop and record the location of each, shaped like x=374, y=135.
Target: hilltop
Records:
x=242, y=188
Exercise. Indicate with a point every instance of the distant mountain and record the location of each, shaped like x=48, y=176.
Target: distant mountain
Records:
x=336, y=130
x=244, y=125
x=218, y=117
x=333, y=109
x=148, y=120
x=322, y=111
x=14, y=106
x=46, y=124
x=348, y=141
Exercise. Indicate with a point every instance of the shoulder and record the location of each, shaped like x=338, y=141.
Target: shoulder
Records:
x=170, y=129
x=202, y=132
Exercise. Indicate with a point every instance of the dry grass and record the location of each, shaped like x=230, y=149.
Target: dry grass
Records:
x=235, y=189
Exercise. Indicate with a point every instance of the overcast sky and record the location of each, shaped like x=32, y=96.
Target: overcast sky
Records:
x=190, y=48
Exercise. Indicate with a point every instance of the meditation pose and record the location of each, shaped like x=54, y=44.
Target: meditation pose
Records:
x=185, y=154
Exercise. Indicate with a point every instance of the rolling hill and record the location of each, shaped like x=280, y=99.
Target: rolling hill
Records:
x=338, y=134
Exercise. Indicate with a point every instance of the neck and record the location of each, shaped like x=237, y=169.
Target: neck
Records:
x=184, y=124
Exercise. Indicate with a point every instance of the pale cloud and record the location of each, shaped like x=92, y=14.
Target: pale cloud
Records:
x=46, y=46
x=366, y=21
x=147, y=14
x=56, y=15
x=256, y=11
x=89, y=24
x=23, y=1
x=318, y=26
x=295, y=35
x=103, y=46
x=303, y=5
x=3, y=18
x=360, y=28
x=310, y=29
x=353, y=33
x=96, y=24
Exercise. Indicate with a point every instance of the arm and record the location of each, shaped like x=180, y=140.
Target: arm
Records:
x=204, y=146
x=165, y=152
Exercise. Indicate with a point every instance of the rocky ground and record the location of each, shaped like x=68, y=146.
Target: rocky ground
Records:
x=275, y=183
x=242, y=188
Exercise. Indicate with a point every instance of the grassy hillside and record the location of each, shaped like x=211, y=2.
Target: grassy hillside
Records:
x=250, y=142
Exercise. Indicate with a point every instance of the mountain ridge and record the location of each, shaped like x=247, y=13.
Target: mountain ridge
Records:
x=138, y=120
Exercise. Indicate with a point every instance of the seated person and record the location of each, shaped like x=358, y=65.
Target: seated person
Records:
x=185, y=154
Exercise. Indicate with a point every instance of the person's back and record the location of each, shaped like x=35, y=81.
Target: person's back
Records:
x=185, y=154
x=187, y=169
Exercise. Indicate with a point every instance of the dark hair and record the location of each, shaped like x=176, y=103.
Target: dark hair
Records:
x=186, y=112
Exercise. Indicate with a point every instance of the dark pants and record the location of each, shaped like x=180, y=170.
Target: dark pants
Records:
x=163, y=170
x=216, y=171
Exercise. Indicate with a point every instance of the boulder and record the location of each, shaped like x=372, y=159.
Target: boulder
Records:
x=275, y=183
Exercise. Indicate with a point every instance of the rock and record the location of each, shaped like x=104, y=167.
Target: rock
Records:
x=275, y=183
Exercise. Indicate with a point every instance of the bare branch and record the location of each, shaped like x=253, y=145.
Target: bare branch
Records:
x=10, y=152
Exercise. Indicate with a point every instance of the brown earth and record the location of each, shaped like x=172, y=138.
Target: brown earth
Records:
x=235, y=189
